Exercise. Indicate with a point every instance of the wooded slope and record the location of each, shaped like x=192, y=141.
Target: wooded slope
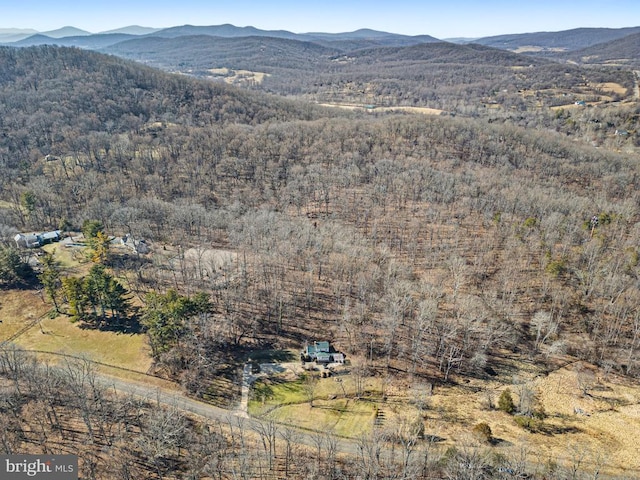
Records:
x=441, y=240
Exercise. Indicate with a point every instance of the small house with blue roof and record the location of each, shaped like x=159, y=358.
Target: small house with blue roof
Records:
x=321, y=352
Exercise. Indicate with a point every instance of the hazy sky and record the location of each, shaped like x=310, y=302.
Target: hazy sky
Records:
x=441, y=18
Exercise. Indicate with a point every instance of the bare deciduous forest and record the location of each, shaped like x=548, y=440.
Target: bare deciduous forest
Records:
x=432, y=249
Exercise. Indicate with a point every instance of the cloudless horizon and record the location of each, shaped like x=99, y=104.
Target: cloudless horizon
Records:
x=442, y=19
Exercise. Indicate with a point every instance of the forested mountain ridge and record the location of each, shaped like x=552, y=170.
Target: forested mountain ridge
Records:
x=203, y=52
x=444, y=52
x=47, y=92
x=623, y=51
x=429, y=248
x=88, y=42
x=566, y=40
x=456, y=78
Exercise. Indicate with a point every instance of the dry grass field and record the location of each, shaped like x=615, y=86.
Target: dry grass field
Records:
x=59, y=335
x=600, y=425
x=235, y=77
x=350, y=106
x=17, y=309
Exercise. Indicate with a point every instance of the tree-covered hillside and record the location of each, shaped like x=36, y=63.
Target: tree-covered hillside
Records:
x=492, y=211
x=53, y=98
x=427, y=247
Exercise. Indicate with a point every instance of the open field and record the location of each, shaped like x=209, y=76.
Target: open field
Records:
x=350, y=106
x=62, y=336
x=17, y=309
x=59, y=335
x=536, y=49
x=235, y=77
x=610, y=87
x=284, y=398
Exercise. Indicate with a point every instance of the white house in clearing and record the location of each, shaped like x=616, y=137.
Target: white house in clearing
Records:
x=35, y=240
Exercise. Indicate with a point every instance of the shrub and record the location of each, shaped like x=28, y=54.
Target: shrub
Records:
x=505, y=402
x=483, y=432
x=531, y=424
x=556, y=268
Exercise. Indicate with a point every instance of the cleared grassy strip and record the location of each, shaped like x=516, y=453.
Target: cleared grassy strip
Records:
x=344, y=417
x=288, y=402
x=17, y=308
x=72, y=259
x=60, y=335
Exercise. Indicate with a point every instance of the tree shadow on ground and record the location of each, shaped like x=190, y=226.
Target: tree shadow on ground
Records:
x=433, y=439
x=264, y=355
x=129, y=325
x=551, y=430
x=500, y=442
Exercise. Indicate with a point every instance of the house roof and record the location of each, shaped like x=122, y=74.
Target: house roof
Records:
x=318, y=347
x=323, y=357
x=29, y=238
x=51, y=235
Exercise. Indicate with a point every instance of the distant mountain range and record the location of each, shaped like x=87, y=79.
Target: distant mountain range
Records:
x=68, y=36
x=134, y=30
x=15, y=35
x=550, y=44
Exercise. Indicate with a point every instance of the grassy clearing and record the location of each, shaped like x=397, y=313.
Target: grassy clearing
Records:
x=238, y=76
x=604, y=431
x=287, y=402
x=72, y=259
x=269, y=394
x=610, y=87
x=288, y=388
x=17, y=308
x=353, y=106
x=61, y=336
x=335, y=407
x=344, y=417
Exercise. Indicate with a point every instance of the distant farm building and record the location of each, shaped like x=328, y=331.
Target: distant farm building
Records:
x=35, y=240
